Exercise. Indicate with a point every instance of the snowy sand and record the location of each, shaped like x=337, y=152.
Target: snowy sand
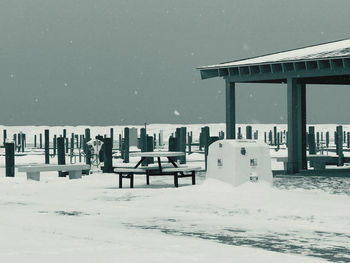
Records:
x=90, y=220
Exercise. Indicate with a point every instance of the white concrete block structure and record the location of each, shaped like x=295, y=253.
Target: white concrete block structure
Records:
x=239, y=161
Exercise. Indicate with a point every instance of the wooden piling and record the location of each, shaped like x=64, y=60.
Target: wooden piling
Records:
x=111, y=134
x=47, y=147
x=311, y=140
x=248, y=132
x=54, y=144
x=86, y=148
x=107, y=156
x=149, y=148
x=10, y=159
x=61, y=156
x=126, y=145
x=4, y=137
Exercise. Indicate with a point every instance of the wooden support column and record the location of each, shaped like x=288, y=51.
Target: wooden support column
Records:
x=230, y=110
x=302, y=162
x=296, y=106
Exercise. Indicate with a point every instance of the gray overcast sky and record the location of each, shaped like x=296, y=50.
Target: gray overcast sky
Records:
x=112, y=62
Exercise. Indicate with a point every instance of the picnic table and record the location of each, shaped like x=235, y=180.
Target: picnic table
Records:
x=176, y=170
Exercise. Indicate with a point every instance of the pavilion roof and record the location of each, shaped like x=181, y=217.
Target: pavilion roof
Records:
x=311, y=57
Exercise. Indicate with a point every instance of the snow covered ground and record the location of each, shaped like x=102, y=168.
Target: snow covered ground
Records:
x=89, y=220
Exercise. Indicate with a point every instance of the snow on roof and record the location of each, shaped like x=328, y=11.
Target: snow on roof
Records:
x=328, y=50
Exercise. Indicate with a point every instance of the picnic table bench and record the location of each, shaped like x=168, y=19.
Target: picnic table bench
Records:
x=74, y=170
x=177, y=172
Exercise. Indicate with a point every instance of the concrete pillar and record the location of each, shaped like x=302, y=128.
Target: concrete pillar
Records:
x=230, y=110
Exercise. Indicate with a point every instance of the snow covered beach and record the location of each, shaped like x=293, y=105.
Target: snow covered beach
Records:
x=56, y=219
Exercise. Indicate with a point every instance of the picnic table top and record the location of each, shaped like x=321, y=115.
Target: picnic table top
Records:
x=157, y=154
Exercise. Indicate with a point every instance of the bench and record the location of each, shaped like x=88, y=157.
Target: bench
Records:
x=319, y=162
x=181, y=172
x=177, y=172
x=74, y=170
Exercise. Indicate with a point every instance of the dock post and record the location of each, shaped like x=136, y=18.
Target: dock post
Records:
x=107, y=156
x=150, y=148
x=54, y=144
x=206, y=138
x=340, y=145
x=143, y=144
x=311, y=140
x=35, y=141
x=248, y=132
x=86, y=148
x=239, y=135
x=189, y=141
x=41, y=141
x=47, y=147
x=5, y=137
x=126, y=145
x=10, y=159
x=111, y=132
x=61, y=156
x=182, y=144
x=23, y=141
x=71, y=148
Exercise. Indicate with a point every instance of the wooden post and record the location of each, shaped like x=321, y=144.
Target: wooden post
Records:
x=189, y=142
x=311, y=140
x=61, y=156
x=230, y=110
x=172, y=144
x=270, y=137
x=47, y=147
x=160, y=138
x=150, y=148
x=64, y=133
x=275, y=135
x=327, y=140
x=239, y=135
x=296, y=104
x=5, y=137
x=143, y=144
x=35, y=141
x=340, y=145
x=206, y=135
x=256, y=135
x=10, y=159
x=54, y=144
x=182, y=144
x=15, y=140
x=23, y=141
x=107, y=156
x=248, y=132
x=111, y=132
x=126, y=145
x=348, y=140
x=86, y=148
x=265, y=137
x=71, y=148
x=41, y=141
